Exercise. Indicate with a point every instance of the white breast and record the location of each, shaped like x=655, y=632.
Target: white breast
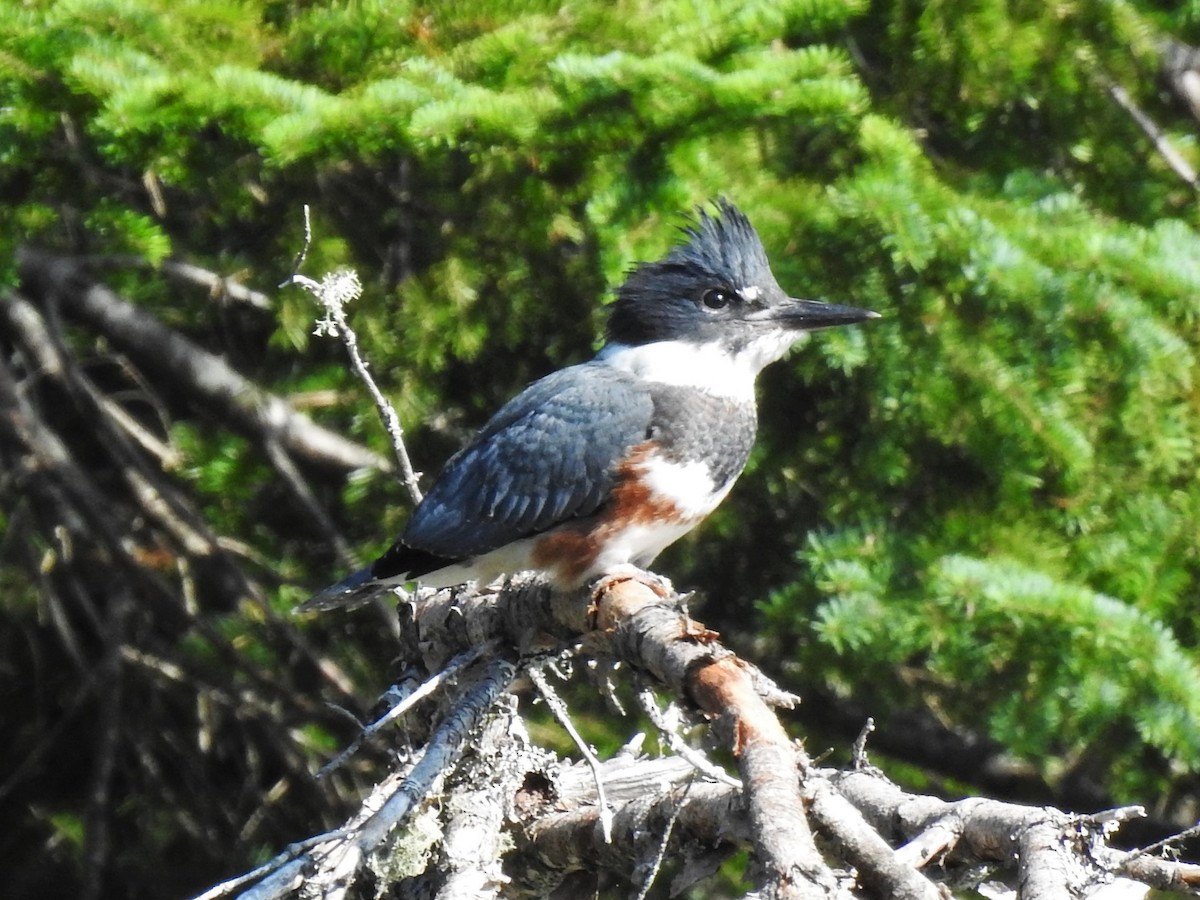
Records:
x=706, y=367
x=687, y=486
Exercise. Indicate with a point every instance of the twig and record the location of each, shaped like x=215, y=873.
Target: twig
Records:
x=1168, y=841
x=157, y=497
x=691, y=662
x=661, y=853
x=449, y=671
x=938, y=839
x=217, y=285
x=98, y=846
x=880, y=869
x=476, y=831
x=328, y=863
x=334, y=292
x=443, y=749
x=564, y=836
x=1170, y=155
x=1040, y=839
x=1164, y=874
x=46, y=350
x=53, y=463
x=208, y=379
x=560, y=815
x=289, y=854
x=679, y=746
x=559, y=710
x=858, y=752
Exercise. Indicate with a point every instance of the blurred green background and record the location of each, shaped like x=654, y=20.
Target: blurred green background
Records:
x=975, y=520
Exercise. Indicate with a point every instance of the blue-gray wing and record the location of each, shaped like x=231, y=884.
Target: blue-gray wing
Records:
x=549, y=455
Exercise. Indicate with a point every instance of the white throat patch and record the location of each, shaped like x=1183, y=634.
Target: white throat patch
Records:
x=706, y=367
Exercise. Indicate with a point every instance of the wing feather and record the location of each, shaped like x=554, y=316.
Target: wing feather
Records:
x=548, y=456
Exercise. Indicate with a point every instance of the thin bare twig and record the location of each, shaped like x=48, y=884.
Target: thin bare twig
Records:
x=441, y=752
x=661, y=853
x=858, y=753
x=46, y=349
x=218, y=286
x=334, y=292
x=209, y=380
x=880, y=869
x=328, y=863
x=1170, y=155
x=679, y=746
x=559, y=710
x=451, y=670
x=289, y=854
x=294, y=479
x=1158, y=846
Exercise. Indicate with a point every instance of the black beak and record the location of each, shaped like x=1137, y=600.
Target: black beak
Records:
x=811, y=315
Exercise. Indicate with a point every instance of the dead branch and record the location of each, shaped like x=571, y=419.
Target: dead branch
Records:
x=1056, y=854
x=405, y=700
x=331, y=867
x=334, y=292
x=228, y=396
x=158, y=499
x=475, y=837
x=566, y=834
x=219, y=287
x=865, y=832
x=559, y=710
x=1163, y=874
x=1179, y=68
x=681, y=653
x=48, y=469
x=1157, y=136
x=880, y=868
x=664, y=722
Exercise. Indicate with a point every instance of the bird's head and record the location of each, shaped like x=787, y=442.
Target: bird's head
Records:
x=716, y=290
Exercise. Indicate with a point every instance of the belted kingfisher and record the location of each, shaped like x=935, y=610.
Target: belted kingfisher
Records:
x=604, y=464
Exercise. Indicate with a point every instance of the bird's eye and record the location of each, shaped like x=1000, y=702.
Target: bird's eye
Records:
x=715, y=298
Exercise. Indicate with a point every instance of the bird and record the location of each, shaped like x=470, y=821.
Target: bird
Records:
x=600, y=466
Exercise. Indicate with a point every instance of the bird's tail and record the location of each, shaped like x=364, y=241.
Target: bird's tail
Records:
x=353, y=590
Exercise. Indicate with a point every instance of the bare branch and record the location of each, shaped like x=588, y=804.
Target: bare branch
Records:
x=294, y=479
x=158, y=498
x=656, y=863
x=475, y=836
x=218, y=286
x=334, y=292
x=858, y=815
x=858, y=752
x=686, y=656
x=1163, y=874
x=1149, y=127
x=649, y=795
x=409, y=700
x=559, y=710
x=680, y=747
x=879, y=867
x=1055, y=856
x=330, y=867
x=207, y=377
x=280, y=866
